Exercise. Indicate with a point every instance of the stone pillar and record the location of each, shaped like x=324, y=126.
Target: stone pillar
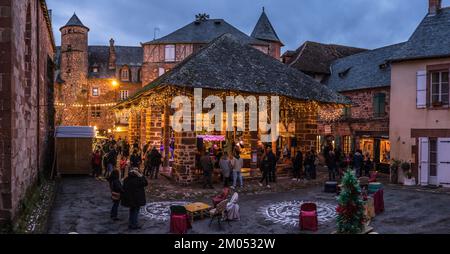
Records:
x=133, y=129
x=143, y=127
x=306, y=130
x=166, y=135
x=153, y=126
x=254, y=153
x=184, y=164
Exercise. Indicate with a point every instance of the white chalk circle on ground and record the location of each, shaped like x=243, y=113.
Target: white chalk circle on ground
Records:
x=160, y=211
x=287, y=213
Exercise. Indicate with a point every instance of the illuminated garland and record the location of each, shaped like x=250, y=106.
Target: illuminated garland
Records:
x=76, y=105
x=330, y=112
x=295, y=108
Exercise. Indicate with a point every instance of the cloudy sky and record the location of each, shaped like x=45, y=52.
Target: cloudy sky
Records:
x=360, y=23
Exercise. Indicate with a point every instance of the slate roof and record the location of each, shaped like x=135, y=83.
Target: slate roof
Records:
x=264, y=30
x=431, y=38
x=242, y=68
x=99, y=57
x=314, y=57
x=362, y=71
x=205, y=31
x=75, y=21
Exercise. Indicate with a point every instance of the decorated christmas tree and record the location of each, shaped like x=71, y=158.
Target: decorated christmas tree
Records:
x=350, y=210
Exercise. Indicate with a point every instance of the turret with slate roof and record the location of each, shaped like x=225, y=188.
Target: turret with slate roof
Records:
x=264, y=31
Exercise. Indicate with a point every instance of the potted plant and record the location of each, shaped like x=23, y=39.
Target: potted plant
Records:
x=395, y=165
x=409, y=179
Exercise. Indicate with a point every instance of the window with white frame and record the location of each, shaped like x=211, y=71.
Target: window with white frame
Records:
x=170, y=53
x=439, y=91
x=95, y=91
x=125, y=74
x=124, y=94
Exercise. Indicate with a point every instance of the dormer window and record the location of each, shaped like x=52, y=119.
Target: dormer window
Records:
x=125, y=74
x=383, y=66
x=170, y=53
x=343, y=74
x=95, y=69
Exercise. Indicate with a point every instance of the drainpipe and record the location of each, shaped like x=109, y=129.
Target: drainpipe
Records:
x=38, y=52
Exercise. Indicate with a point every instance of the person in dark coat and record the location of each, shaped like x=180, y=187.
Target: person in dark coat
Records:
x=134, y=195
x=332, y=166
x=97, y=163
x=111, y=161
x=116, y=192
x=135, y=159
x=273, y=166
x=266, y=167
x=207, y=166
x=368, y=165
x=155, y=163
x=298, y=165
x=358, y=161
x=126, y=149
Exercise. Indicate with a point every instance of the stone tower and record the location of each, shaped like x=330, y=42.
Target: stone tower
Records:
x=74, y=72
x=264, y=31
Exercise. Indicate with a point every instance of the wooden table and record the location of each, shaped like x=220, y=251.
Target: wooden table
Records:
x=197, y=209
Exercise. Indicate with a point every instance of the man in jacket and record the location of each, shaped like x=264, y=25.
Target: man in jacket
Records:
x=298, y=165
x=206, y=165
x=155, y=163
x=358, y=160
x=273, y=166
x=134, y=196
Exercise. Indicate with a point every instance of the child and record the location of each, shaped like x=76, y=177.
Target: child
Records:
x=123, y=165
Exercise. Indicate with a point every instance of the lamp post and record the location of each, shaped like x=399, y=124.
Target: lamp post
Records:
x=115, y=85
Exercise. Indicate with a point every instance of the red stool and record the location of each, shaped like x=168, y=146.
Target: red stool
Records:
x=179, y=224
x=308, y=217
x=378, y=199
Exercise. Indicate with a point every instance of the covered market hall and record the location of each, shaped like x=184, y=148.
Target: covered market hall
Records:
x=228, y=68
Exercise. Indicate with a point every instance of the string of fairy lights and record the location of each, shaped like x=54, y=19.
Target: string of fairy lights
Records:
x=78, y=105
x=327, y=112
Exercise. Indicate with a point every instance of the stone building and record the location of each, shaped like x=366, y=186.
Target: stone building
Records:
x=315, y=59
x=163, y=54
x=420, y=120
x=242, y=70
x=365, y=79
x=26, y=103
x=92, y=79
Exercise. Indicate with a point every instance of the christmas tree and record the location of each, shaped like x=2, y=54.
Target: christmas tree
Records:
x=350, y=210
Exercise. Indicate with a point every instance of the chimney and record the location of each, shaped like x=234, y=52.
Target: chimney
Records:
x=434, y=6
x=112, y=55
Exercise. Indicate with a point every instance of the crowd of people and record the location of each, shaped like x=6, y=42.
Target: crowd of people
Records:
x=338, y=162
x=112, y=154
x=126, y=168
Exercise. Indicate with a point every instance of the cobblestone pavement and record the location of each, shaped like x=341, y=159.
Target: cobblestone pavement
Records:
x=82, y=205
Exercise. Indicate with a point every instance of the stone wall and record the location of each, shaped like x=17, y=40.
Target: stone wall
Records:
x=362, y=119
x=26, y=55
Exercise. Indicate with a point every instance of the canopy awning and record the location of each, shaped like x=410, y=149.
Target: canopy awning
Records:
x=75, y=132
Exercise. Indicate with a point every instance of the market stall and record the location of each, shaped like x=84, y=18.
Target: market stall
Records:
x=74, y=150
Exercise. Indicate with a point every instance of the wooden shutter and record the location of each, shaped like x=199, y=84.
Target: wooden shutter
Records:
x=421, y=100
x=443, y=157
x=424, y=165
x=379, y=104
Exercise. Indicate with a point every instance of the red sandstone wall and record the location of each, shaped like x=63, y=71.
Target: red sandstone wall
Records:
x=362, y=118
x=21, y=77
